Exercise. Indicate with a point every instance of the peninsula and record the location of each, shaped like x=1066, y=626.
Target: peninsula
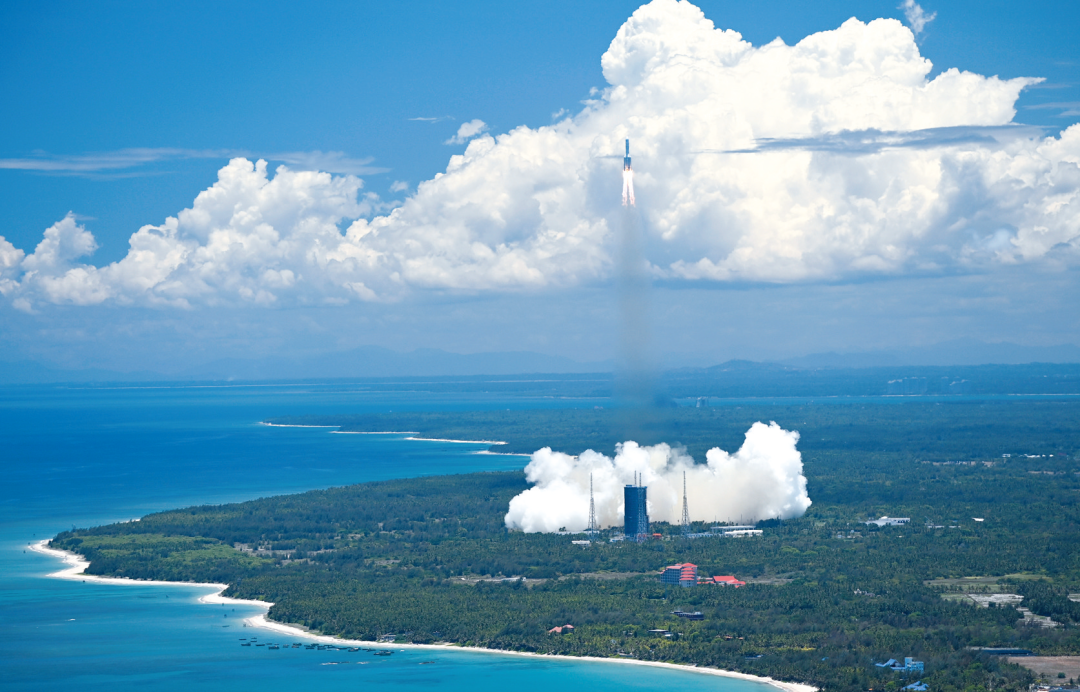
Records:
x=986, y=561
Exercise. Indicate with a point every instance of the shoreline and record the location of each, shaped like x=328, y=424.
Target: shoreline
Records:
x=262, y=622
x=411, y=433
x=288, y=425
x=76, y=564
x=464, y=442
x=362, y=432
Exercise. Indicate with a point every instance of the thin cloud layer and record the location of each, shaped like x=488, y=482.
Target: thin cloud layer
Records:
x=536, y=208
x=467, y=131
x=916, y=15
x=127, y=162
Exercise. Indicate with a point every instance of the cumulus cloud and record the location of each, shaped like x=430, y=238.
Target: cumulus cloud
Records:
x=762, y=480
x=467, y=131
x=244, y=240
x=909, y=176
x=917, y=18
x=330, y=161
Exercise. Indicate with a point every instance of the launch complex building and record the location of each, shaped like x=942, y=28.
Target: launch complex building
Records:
x=635, y=512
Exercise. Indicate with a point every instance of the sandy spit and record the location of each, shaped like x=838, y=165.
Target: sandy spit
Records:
x=465, y=442
x=76, y=565
x=384, y=432
x=411, y=433
x=287, y=425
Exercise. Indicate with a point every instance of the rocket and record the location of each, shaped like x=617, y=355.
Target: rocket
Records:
x=627, y=179
x=626, y=159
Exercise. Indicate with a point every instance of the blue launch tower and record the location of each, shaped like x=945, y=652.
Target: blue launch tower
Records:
x=635, y=512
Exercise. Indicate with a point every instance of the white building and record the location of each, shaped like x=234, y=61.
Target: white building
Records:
x=890, y=521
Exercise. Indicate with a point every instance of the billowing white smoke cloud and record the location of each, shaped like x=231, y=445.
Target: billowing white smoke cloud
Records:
x=530, y=208
x=763, y=480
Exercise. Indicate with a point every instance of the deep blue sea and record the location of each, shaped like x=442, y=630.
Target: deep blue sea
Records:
x=87, y=456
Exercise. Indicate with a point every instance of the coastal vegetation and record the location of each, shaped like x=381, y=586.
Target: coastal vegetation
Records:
x=828, y=596
x=841, y=433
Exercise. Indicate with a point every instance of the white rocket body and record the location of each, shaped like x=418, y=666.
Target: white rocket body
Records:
x=627, y=179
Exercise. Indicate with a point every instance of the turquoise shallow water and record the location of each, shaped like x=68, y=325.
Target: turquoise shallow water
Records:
x=88, y=456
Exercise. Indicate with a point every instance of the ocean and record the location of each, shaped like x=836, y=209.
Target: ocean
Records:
x=83, y=456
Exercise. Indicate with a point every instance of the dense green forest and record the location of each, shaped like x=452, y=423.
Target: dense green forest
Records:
x=427, y=560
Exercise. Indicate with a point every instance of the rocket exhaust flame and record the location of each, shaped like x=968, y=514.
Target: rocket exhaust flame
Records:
x=627, y=179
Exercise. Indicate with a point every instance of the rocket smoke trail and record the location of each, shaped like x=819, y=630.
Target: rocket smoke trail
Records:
x=635, y=381
x=627, y=179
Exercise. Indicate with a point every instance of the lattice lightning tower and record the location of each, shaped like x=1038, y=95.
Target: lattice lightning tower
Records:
x=685, y=507
x=592, y=509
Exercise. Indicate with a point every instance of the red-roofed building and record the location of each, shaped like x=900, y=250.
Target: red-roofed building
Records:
x=728, y=581
x=684, y=575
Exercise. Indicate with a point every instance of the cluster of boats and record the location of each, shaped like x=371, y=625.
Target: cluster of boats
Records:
x=254, y=641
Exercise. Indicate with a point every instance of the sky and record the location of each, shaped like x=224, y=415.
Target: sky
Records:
x=191, y=181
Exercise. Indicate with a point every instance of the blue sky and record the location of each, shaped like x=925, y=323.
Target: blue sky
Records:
x=122, y=113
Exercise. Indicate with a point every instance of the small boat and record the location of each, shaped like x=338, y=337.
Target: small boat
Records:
x=273, y=646
x=384, y=652
x=246, y=644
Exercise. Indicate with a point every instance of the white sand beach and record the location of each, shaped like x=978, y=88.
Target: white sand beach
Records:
x=385, y=432
x=464, y=442
x=411, y=434
x=287, y=425
x=76, y=564
x=262, y=622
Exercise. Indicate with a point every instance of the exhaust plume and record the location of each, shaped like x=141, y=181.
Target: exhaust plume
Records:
x=763, y=480
x=627, y=179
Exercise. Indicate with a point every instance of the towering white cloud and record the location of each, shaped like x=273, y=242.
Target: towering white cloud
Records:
x=763, y=480
x=720, y=200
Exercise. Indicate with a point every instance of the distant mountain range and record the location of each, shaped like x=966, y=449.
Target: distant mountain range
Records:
x=377, y=362
x=956, y=352
x=374, y=361
x=363, y=362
